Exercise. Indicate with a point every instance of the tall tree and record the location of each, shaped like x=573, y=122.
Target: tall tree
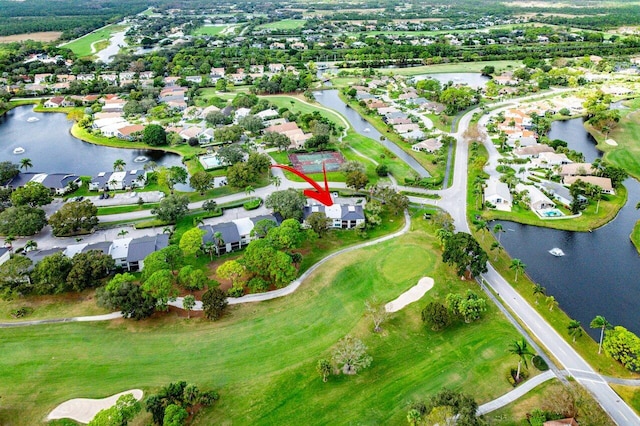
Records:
x=172, y=208
x=160, y=286
x=119, y=165
x=188, y=303
x=191, y=241
x=498, y=230
x=26, y=164
x=520, y=348
x=14, y=277
x=214, y=303
x=22, y=220
x=74, y=218
x=551, y=302
x=377, y=312
x=518, y=266
x=201, y=181
x=538, y=290
x=154, y=135
x=350, y=354
x=324, y=369
x=33, y=194
x=600, y=322
x=464, y=251
x=575, y=329
x=289, y=203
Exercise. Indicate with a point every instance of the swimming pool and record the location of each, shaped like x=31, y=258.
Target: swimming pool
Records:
x=551, y=213
x=210, y=161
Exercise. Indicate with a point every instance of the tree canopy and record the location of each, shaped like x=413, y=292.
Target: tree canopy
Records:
x=463, y=251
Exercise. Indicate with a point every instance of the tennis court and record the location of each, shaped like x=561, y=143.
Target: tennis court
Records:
x=312, y=162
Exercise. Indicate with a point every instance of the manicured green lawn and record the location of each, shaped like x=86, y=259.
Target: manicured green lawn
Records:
x=630, y=394
x=125, y=209
x=373, y=149
x=453, y=67
x=82, y=46
x=635, y=236
x=285, y=24
x=299, y=107
x=261, y=357
x=627, y=136
x=211, y=29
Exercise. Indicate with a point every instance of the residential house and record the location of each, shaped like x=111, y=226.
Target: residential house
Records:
x=108, y=181
x=537, y=199
x=532, y=151
x=406, y=128
x=57, y=183
x=602, y=182
x=550, y=160
x=267, y=114
x=427, y=145
x=140, y=248
x=342, y=216
x=576, y=169
x=559, y=192
x=498, y=194
x=129, y=132
x=55, y=102
x=224, y=236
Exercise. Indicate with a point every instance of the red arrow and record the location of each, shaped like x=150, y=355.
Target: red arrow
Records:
x=321, y=195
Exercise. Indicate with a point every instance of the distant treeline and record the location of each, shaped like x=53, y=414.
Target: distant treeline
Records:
x=72, y=17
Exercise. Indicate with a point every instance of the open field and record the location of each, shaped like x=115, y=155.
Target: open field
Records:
x=286, y=24
x=82, y=46
x=40, y=36
x=627, y=135
x=262, y=357
x=215, y=30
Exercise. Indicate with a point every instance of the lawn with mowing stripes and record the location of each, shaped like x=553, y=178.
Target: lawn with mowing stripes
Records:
x=261, y=357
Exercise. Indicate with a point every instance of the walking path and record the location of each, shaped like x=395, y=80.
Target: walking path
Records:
x=518, y=392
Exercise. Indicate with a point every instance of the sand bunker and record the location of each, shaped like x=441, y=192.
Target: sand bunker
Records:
x=611, y=142
x=83, y=410
x=414, y=293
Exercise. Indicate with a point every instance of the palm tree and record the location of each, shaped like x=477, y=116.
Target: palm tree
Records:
x=518, y=266
x=498, y=248
x=26, y=163
x=119, y=165
x=112, y=184
x=482, y=226
x=167, y=230
x=600, y=322
x=209, y=248
x=520, y=348
x=575, y=330
x=538, y=290
x=219, y=241
x=151, y=165
x=30, y=245
x=122, y=233
x=249, y=190
x=551, y=302
x=276, y=181
x=497, y=229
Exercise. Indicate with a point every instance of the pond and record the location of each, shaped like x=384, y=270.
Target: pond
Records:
x=599, y=273
x=473, y=79
x=51, y=148
x=117, y=41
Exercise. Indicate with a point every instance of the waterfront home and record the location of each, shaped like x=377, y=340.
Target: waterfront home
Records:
x=560, y=193
x=427, y=145
x=602, y=182
x=576, y=169
x=129, y=132
x=343, y=216
x=57, y=183
x=498, y=194
x=55, y=102
x=537, y=199
x=234, y=235
x=109, y=181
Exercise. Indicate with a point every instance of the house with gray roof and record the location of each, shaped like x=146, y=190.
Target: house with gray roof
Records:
x=57, y=183
x=224, y=236
x=343, y=216
x=139, y=248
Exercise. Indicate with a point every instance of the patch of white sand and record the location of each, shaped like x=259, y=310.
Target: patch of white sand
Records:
x=83, y=410
x=413, y=294
x=611, y=142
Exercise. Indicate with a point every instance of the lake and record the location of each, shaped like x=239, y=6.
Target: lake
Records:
x=599, y=273
x=52, y=149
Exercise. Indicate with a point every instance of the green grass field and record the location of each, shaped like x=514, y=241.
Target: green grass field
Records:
x=453, y=67
x=211, y=30
x=627, y=136
x=261, y=357
x=82, y=46
x=297, y=106
x=285, y=24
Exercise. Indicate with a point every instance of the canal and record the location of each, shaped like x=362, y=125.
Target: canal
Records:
x=599, y=273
